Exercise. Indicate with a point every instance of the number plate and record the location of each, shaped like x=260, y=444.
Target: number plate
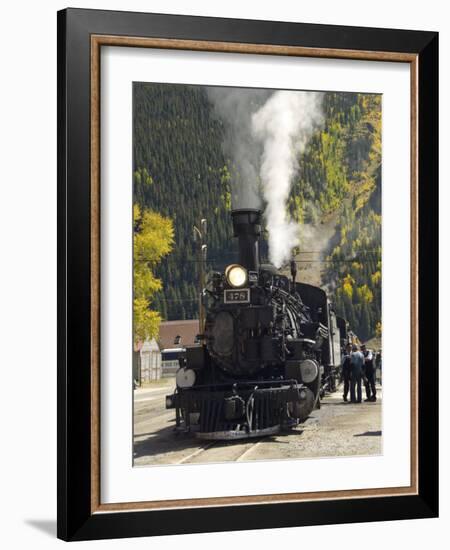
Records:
x=238, y=296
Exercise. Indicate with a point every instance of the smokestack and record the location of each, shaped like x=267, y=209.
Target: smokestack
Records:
x=247, y=228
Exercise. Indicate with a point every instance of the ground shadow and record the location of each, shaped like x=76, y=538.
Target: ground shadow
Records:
x=47, y=526
x=167, y=440
x=378, y=432
x=325, y=404
x=161, y=441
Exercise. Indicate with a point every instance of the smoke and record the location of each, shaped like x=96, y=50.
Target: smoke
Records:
x=265, y=132
x=235, y=106
x=283, y=126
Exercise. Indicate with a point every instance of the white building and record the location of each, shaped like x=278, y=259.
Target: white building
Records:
x=148, y=362
x=158, y=358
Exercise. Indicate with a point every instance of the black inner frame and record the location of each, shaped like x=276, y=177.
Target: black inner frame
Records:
x=75, y=521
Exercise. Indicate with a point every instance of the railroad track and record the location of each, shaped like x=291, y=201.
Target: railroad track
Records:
x=235, y=451
x=150, y=416
x=156, y=443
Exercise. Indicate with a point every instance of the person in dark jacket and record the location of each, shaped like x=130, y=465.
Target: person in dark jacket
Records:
x=369, y=374
x=346, y=370
x=357, y=363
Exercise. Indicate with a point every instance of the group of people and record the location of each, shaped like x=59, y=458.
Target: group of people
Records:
x=358, y=366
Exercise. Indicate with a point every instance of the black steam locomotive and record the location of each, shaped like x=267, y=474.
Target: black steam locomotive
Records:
x=270, y=348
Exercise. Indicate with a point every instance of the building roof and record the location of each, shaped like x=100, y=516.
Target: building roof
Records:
x=169, y=330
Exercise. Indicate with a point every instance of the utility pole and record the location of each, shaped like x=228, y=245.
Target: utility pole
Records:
x=202, y=248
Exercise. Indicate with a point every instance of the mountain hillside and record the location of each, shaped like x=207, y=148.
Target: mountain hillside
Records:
x=180, y=171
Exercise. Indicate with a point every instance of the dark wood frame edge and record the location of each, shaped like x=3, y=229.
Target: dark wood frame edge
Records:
x=75, y=521
x=97, y=41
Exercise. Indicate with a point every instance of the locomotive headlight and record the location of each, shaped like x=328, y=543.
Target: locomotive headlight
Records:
x=236, y=275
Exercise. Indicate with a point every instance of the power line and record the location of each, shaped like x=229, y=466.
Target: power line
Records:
x=234, y=254
x=176, y=300
x=358, y=259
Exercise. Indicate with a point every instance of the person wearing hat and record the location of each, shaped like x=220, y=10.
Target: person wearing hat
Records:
x=369, y=374
x=347, y=371
x=357, y=363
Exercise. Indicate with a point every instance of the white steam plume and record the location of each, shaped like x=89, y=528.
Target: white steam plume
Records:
x=235, y=106
x=283, y=126
x=265, y=132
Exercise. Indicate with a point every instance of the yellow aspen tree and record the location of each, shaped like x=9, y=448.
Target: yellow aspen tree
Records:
x=153, y=239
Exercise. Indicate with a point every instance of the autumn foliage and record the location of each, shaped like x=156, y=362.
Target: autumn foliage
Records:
x=153, y=239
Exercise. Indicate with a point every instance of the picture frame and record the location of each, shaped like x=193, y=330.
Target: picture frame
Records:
x=81, y=35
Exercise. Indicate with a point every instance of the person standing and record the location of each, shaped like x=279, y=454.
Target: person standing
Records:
x=357, y=363
x=369, y=374
x=346, y=370
x=378, y=361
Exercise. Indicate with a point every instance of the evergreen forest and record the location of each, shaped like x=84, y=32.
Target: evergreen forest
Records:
x=181, y=173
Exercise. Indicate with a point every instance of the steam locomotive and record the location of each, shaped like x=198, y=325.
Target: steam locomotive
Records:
x=271, y=347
